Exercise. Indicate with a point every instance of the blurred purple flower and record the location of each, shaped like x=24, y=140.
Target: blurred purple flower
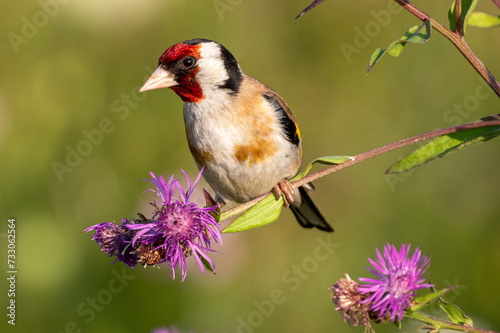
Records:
x=115, y=241
x=398, y=277
x=179, y=228
x=172, y=329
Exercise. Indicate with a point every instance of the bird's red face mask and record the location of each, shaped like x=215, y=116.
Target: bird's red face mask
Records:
x=176, y=70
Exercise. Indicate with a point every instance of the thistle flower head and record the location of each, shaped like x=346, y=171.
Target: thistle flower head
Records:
x=398, y=277
x=348, y=301
x=178, y=229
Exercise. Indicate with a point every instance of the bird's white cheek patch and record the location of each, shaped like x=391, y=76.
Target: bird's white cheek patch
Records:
x=212, y=71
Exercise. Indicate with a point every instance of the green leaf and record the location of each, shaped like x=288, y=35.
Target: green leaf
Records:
x=216, y=214
x=445, y=145
x=329, y=160
x=264, y=212
x=415, y=35
x=455, y=314
x=484, y=20
x=467, y=9
x=206, y=264
x=452, y=17
x=423, y=301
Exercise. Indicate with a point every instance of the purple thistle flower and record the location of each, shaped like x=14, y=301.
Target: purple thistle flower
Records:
x=115, y=241
x=179, y=227
x=398, y=277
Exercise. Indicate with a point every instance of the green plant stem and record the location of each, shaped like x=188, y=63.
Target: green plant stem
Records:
x=458, y=41
x=438, y=324
x=363, y=157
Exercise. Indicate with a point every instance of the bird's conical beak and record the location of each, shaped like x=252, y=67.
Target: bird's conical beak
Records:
x=161, y=78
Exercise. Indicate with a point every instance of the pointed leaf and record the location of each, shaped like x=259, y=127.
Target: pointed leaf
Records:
x=423, y=301
x=206, y=264
x=415, y=35
x=484, y=20
x=310, y=7
x=455, y=314
x=329, y=160
x=210, y=202
x=445, y=145
x=467, y=8
x=452, y=17
x=264, y=212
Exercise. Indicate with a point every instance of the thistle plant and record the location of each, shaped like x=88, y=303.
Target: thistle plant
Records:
x=397, y=279
x=390, y=294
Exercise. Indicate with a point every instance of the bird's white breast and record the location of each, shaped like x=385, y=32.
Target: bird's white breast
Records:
x=243, y=151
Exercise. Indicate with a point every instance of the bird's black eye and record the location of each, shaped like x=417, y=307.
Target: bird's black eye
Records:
x=188, y=61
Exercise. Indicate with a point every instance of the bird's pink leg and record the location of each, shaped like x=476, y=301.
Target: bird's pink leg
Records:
x=285, y=189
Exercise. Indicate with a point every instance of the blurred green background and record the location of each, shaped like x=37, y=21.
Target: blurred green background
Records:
x=71, y=70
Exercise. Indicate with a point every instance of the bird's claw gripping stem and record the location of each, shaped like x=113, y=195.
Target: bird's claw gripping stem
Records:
x=285, y=189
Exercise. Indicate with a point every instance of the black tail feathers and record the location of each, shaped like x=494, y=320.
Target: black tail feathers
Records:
x=307, y=214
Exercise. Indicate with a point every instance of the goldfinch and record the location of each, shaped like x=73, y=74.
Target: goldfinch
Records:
x=238, y=129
